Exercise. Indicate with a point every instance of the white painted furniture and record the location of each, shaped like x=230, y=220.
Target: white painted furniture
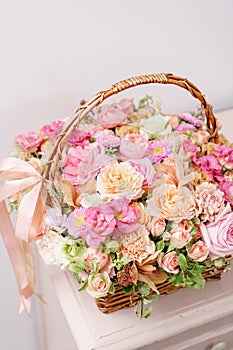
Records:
x=188, y=319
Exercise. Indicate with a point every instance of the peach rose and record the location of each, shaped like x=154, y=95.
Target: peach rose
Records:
x=199, y=251
x=218, y=235
x=169, y=262
x=99, y=285
x=180, y=234
x=172, y=203
x=120, y=180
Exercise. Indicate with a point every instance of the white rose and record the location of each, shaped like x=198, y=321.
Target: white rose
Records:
x=99, y=285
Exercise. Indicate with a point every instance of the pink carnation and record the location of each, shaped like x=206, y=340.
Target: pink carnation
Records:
x=190, y=119
x=52, y=130
x=126, y=217
x=79, y=138
x=210, y=165
x=225, y=155
x=29, y=140
x=82, y=165
x=184, y=127
x=190, y=148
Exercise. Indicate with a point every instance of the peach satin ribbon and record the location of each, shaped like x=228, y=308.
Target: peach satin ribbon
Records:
x=21, y=179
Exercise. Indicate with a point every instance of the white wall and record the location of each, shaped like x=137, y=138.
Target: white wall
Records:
x=56, y=52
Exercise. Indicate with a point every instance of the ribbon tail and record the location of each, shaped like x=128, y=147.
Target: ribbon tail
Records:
x=30, y=213
x=24, y=269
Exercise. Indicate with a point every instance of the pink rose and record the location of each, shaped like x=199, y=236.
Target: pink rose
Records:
x=200, y=137
x=199, y=251
x=29, y=140
x=53, y=129
x=131, y=150
x=173, y=121
x=218, y=235
x=115, y=114
x=180, y=234
x=169, y=262
x=145, y=167
x=226, y=186
x=93, y=254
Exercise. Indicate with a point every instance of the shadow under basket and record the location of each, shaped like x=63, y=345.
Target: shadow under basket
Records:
x=121, y=300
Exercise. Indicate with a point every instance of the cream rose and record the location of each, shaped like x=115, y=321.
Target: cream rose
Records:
x=199, y=251
x=98, y=285
x=120, y=180
x=218, y=235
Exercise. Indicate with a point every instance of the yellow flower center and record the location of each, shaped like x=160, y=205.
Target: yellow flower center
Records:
x=79, y=221
x=157, y=150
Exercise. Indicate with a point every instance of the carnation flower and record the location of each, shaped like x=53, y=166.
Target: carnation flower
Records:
x=225, y=155
x=184, y=127
x=190, y=119
x=79, y=138
x=31, y=141
x=172, y=203
x=52, y=130
x=137, y=245
x=210, y=165
x=209, y=200
x=119, y=180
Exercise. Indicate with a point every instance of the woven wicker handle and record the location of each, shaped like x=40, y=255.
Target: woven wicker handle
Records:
x=83, y=110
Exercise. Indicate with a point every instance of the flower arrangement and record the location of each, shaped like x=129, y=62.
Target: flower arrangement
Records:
x=139, y=198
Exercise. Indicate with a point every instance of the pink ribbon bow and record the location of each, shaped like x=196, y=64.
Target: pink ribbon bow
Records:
x=21, y=179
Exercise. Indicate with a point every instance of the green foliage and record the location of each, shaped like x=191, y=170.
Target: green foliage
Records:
x=120, y=263
x=182, y=262
x=160, y=245
x=144, y=289
x=145, y=101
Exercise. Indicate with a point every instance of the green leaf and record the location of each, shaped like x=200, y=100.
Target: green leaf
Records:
x=170, y=248
x=112, y=289
x=144, y=289
x=160, y=245
x=179, y=279
x=199, y=282
x=182, y=262
x=197, y=270
x=153, y=297
x=84, y=286
x=147, y=312
x=95, y=266
x=127, y=289
x=188, y=281
x=196, y=221
x=194, y=230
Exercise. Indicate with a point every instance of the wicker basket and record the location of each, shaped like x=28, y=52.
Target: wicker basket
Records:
x=120, y=299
